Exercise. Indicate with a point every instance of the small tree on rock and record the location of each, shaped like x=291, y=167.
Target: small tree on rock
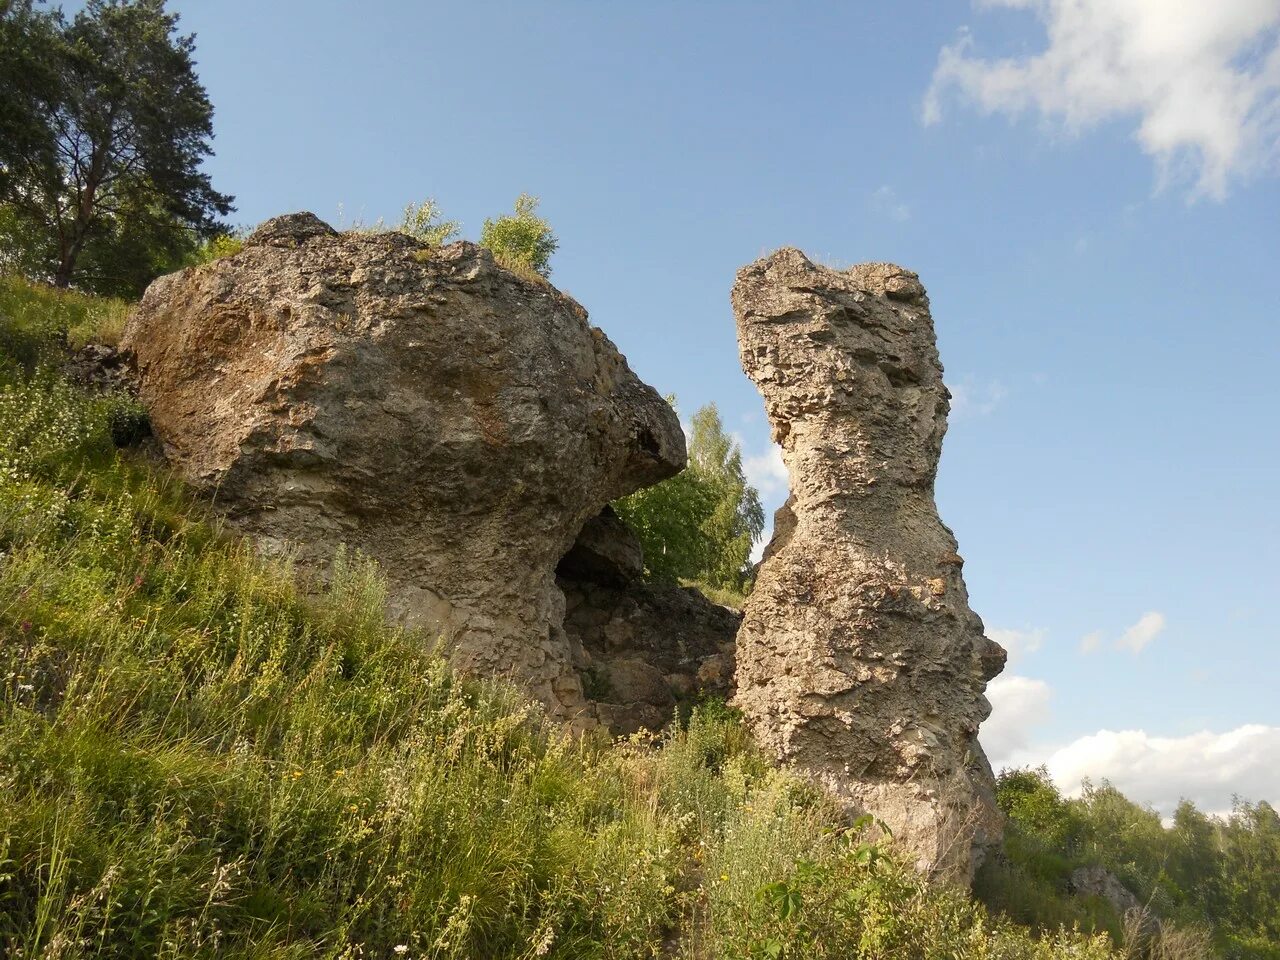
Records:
x=422, y=221
x=522, y=241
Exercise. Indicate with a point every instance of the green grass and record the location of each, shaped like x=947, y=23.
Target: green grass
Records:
x=33, y=313
x=198, y=758
x=724, y=596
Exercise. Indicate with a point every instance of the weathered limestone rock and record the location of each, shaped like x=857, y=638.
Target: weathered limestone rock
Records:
x=645, y=647
x=648, y=647
x=1097, y=881
x=99, y=367
x=452, y=420
x=859, y=660
x=606, y=551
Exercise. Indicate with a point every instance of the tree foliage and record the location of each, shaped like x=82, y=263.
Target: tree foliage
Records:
x=1219, y=873
x=737, y=517
x=701, y=524
x=104, y=132
x=521, y=241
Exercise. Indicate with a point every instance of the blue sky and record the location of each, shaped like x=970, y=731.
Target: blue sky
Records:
x=1089, y=199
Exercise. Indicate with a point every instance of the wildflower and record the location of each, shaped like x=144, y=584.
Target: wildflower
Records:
x=339, y=773
x=724, y=876
x=297, y=774
x=401, y=948
x=543, y=946
x=26, y=626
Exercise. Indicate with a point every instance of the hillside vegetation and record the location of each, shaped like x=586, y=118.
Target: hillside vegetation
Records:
x=200, y=758
x=1220, y=875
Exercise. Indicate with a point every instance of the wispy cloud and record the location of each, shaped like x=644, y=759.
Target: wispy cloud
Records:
x=1149, y=626
x=767, y=473
x=1134, y=639
x=1208, y=768
x=1018, y=706
x=975, y=398
x=1200, y=79
x=885, y=201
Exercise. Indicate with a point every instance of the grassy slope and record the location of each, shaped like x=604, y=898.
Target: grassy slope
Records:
x=197, y=760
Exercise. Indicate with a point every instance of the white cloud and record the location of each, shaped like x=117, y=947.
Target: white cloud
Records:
x=1201, y=78
x=885, y=201
x=1018, y=705
x=1147, y=628
x=767, y=473
x=1134, y=639
x=1206, y=768
x=1019, y=642
x=973, y=398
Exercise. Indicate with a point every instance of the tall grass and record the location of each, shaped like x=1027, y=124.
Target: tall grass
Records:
x=34, y=312
x=200, y=759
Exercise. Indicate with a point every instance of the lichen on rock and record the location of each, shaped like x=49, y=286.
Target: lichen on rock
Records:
x=859, y=659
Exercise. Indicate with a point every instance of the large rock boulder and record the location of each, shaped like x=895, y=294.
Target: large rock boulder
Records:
x=859, y=660
x=452, y=420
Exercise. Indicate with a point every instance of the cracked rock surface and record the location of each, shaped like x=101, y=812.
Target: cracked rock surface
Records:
x=444, y=416
x=859, y=660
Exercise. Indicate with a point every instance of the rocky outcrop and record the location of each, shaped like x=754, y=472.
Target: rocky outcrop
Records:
x=859, y=660
x=646, y=648
x=99, y=367
x=452, y=420
x=649, y=648
x=606, y=552
x=1097, y=881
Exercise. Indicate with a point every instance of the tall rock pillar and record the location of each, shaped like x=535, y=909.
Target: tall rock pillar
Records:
x=859, y=660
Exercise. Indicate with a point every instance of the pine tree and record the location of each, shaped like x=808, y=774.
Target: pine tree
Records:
x=106, y=127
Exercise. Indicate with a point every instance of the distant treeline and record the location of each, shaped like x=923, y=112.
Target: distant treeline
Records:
x=1219, y=873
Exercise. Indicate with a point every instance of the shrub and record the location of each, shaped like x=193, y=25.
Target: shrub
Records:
x=422, y=221
x=217, y=247
x=521, y=241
